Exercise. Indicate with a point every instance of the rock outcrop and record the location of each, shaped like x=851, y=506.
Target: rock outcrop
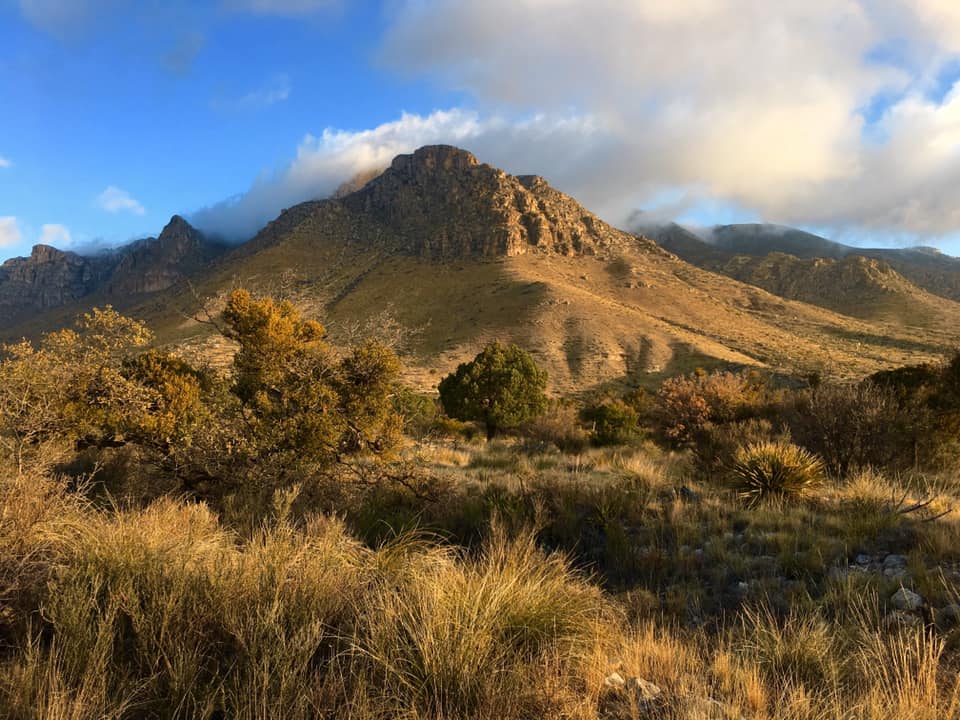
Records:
x=445, y=204
x=155, y=264
x=51, y=278
x=47, y=279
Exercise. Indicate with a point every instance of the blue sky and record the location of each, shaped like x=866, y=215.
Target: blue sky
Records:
x=839, y=116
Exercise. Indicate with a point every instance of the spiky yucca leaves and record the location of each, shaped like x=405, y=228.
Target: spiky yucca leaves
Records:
x=775, y=469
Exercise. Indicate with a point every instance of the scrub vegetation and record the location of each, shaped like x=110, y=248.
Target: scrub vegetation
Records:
x=299, y=535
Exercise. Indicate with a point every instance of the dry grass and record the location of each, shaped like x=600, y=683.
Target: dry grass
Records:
x=165, y=612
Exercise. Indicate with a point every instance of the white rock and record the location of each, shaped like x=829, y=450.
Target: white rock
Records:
x=615, y=680
x=644, y=689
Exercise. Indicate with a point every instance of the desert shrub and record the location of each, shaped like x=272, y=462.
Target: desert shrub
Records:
x=687, y=405
x=718, y=445
x=775, y=469
x=797, y=650
x=857, y=425
x=928, y=397
x=179, y=405
x=418, y=412
x=452, y=637
x=560, y=426
x=614, y=423
x=448, y=427
x=502, y=387
x=302, y=401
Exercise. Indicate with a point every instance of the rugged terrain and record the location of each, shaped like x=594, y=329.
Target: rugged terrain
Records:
x=34, y=288
x=451, y=253
x=904, y=285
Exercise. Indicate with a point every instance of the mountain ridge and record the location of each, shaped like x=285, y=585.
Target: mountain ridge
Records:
x=455, y=253
x=50, y=278
x=925, y=267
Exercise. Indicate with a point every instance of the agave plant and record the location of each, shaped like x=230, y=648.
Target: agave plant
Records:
x=775, y=469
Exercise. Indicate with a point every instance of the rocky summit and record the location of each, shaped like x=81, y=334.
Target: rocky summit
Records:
x=52, y=278
x=155, y=264
x=47, y=279
x=446, y=204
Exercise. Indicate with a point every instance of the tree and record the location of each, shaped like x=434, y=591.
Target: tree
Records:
x=301, y=401
x=502, y=387
x=70, y=387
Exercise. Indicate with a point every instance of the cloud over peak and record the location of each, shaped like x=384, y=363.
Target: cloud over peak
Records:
x=763, y=105
x=56, y=235
x=10, y=234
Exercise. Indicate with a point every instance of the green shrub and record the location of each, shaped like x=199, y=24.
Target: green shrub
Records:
x=775, y=469
x=502, y=387
x=614, y=423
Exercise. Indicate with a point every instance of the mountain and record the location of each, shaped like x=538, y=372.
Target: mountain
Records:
x=447, y=253
x=458, y=252
x=925, y=267
x=155, y=264
x=50, y=279
x=811, y=269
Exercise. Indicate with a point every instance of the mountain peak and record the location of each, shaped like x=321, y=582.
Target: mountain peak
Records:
x=178, y=229
x=443, y=203
x=47, y=253
x=432, y=159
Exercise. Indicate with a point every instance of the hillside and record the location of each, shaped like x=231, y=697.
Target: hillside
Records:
x=924, y=267
x=449, y=253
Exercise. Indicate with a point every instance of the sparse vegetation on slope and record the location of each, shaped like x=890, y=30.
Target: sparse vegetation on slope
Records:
x=311, y=573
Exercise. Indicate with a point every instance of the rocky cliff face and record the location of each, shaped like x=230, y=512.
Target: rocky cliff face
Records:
x=445, y=204
x=156, y=264
x=51, y=278
x=47, y=279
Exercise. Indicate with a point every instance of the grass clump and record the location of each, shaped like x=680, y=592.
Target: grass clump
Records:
x=775, y=470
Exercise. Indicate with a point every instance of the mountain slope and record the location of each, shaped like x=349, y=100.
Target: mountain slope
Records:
x=454, y=253
x=459, y=253
x=52, y=282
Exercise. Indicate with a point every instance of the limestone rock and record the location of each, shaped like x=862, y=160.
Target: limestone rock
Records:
x=51, y=278
x=47, y=279
x=448, y=205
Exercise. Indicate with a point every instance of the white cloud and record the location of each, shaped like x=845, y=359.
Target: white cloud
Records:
x=277, y=90
x=4, y=162
x=323, y=163
x=56, y=235
x=767, y=107
x=10, y=233
x=115, y=200
x=753, y=103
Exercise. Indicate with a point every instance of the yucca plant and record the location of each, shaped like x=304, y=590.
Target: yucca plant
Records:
x=775, y=469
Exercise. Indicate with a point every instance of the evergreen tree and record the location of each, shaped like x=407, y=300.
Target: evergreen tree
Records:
x=502, y=387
